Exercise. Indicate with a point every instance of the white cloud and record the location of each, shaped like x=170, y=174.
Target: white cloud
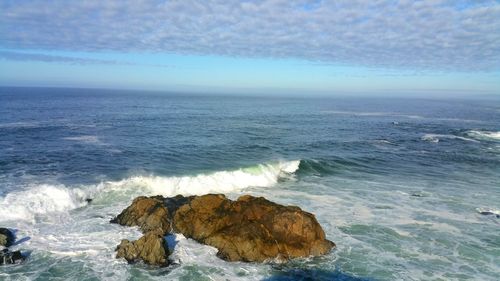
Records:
x=438, y=34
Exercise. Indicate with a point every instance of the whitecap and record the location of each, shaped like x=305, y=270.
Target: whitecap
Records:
x=488, y=211
x=47, y=199
x=19, y=125
x=263, y=175
x=42, y=199
x=358, y=113
x=484, y=135
x=435, y=138
x=85, y=139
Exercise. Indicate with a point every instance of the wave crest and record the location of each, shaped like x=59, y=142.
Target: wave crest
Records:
x=486, y=135
x=44, y=199
x=438, y=137
x=263, y=175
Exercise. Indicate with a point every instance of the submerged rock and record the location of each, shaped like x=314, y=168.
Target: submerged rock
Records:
x=251, y=229
x=6, y=237
x=8, y=257
x=150, y=248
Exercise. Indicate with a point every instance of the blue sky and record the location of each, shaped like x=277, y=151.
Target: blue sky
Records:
x=434, y=47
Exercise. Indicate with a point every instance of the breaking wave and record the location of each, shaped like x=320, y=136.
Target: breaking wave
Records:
x=435, y=138
x=45, y=199
x=484, y=135
x=42, y=199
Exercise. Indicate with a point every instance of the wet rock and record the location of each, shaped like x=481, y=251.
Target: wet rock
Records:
x=488, y=211
x=6, y=237
x=8, y=257
x=149, y=213
x=150, y=248
x=251, y=228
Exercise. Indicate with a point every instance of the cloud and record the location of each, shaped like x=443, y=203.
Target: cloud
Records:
x=22, y=56
x=434, y=34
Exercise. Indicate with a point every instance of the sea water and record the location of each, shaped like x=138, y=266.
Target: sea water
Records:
x=408, y=189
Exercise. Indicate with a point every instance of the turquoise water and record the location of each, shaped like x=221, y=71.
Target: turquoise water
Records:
x=397, y=184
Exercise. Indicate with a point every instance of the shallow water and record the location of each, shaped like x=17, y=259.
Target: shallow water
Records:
x=395, y=183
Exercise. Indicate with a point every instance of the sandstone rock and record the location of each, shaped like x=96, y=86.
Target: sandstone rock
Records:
x=251, y=228
x=150, y=248
x=6, y=237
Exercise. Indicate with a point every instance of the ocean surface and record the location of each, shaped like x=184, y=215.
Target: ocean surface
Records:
x=399, y=184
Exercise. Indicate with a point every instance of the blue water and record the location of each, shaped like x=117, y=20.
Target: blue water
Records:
x=397, y=183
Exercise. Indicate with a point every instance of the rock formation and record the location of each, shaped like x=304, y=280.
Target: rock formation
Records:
x=9, y=257
x=6, y=237
x=150, y=248
x=251, y=229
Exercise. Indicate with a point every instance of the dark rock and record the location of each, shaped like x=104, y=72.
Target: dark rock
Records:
x=8, y=257
x=6, y=237
x=150, y=248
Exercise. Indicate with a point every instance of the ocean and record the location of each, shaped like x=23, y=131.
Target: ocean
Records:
x=399, y=184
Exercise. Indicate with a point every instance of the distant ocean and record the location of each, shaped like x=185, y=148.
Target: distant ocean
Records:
x=398, y=184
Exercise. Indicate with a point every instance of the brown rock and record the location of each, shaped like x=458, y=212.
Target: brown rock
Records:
x=150, y=248
x=251, y=228
x=149, y=213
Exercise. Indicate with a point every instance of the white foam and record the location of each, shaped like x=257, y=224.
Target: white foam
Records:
x=19, y=125
x=43, y=199
x=84, y=139
x=47, y=199
x=488, y=211
x=263, y=175
x=488, y=135
x=368, y=114
x=435, y=138
x=188, y=253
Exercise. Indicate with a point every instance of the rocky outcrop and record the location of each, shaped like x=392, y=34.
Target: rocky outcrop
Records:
x=149, y=213
x=250, y=229
x=150, y=248
x=6, y=237
x=9, y=257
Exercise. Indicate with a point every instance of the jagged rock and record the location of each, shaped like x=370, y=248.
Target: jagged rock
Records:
x=150, y=248
x=6, y=237
x=8, y=257
x=149, y=213
x=251, y=228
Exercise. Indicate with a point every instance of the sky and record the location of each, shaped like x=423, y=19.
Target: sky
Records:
x=391, y=47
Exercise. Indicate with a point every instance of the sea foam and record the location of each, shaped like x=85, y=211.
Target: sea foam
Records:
x=438, y=137
x=486, y=135
x=46, y=199
x=263, y=175
x=42, y=199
